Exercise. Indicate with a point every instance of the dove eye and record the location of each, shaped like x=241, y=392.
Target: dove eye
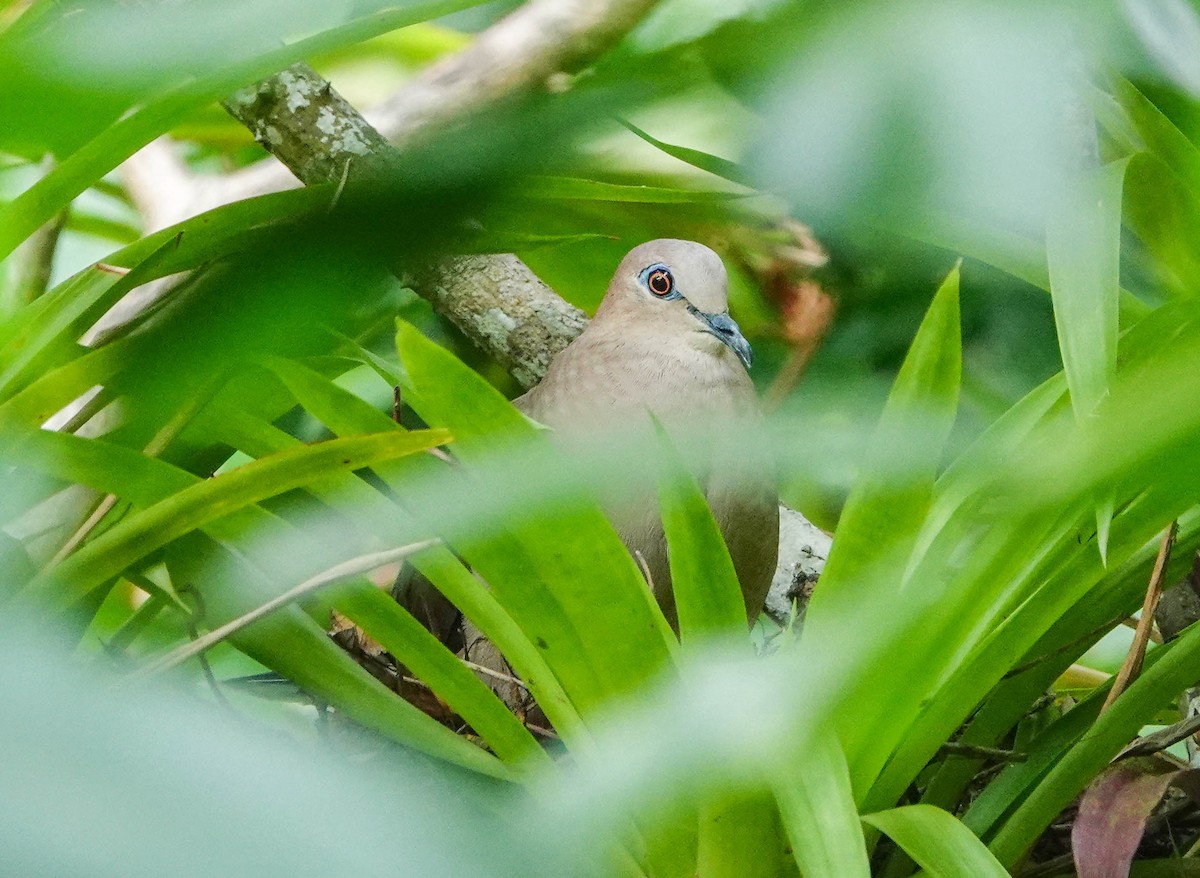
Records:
x=660, y=282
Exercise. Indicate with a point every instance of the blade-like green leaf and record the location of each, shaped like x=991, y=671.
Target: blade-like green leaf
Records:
x=875, y=537
x=741, y=836
x=892, y=495
x=289, y=642
x=819, y=814
x=1083, y=246
x=715, y=165
x=708, y=599
x=422, y=653
x=941, y=845
x=1171, y=669
x=346, y=414
x=575, y=188
x=192, y=508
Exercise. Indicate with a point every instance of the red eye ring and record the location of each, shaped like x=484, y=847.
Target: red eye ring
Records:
x=660, y=282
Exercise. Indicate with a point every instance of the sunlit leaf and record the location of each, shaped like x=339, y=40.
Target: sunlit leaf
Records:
x=941, y=845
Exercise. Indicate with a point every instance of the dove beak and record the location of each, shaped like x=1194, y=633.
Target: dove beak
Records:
x=724, y=328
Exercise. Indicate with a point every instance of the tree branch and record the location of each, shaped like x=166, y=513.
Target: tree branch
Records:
x=526, y=51
x=495, y=300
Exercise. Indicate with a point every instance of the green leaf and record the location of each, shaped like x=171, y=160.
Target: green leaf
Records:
x=1171, y=34
x=1083, y=245
x=1134, y=121
x=346, y=414
x=193, y=507
x=819, y=815
x=579, y=189
x=741, y=837
x=45, y=334
x=1163, y=212
x=715, y=165
x=1038, y=589
x=873, y=544
x=891, y=496
x=419, y=651
x=708, y=598
x=289, y=642
x=941, y=845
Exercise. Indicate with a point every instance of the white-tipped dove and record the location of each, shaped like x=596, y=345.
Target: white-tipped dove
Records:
x=662, y=342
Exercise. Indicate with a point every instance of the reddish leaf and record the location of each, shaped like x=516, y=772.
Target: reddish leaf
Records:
x=1113, y=814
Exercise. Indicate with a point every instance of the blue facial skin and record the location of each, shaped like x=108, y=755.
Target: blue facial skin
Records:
x=720, y=325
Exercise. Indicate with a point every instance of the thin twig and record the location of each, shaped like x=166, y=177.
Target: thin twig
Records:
x=1132, y=666
x=337, y=573
x=976, y=751
x=540, y=731
x=507, y=678
x=194, y=633
x=105, y=506
x=1161, y=740
x=641, y=559
x=84, y=411
x=1155, y=636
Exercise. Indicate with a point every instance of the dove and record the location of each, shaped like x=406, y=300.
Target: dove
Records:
x=662, y=343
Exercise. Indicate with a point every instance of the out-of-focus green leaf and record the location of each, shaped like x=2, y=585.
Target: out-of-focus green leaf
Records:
x=870, y=559
x=172, y=769
x=116, y=142
x=1083, y=243
x=884, y=512
x=346, y=415
x=1170, y=30
x=290, y=642
x=931, y=106
x=1083, y=249
x=1022, y=256
x=46, y=332
x=191, y=508
x=65, y=56
x=1141, y=126
x=741, y=837
x=1160, y=209
x=941, y=845
x=819, y=813
x=708, y=598
x=598, y=190
x=682, y=21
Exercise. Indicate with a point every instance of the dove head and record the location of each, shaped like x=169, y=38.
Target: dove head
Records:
x=676, y=287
